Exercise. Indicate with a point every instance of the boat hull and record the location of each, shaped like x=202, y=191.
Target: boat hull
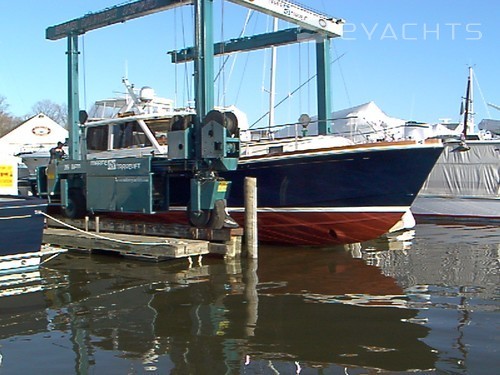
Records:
x=21, y=225
x=329, y=197
x=323, y=197
x=320, y=197
x=463, y=185
x=458, y=209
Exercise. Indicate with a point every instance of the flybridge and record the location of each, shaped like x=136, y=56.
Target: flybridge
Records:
x=297, y=14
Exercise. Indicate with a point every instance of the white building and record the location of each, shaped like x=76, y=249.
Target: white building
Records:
x=38, y=133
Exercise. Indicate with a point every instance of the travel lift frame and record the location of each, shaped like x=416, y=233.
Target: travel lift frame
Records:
x=79, y=184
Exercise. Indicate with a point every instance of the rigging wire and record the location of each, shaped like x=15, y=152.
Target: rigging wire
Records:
x=481, y=93
x=221, y=86
x=226, y=58
x=266, y=53
x=342, y=74
x=300, y=72
x=187, y=86
x=243, y=75
x=294, y=91
x=176, y=82
x=309, y=96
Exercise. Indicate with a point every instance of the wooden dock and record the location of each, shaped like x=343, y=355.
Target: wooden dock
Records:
x=146, y=241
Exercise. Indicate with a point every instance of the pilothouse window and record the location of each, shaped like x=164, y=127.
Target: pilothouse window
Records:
x=129, y=134
x=97, y=138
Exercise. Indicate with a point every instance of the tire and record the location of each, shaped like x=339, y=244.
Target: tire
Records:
x=231, y=124
x=218, y=215
x=214, y=115
x=76, y=207
x=198, y=219
x=212, y=219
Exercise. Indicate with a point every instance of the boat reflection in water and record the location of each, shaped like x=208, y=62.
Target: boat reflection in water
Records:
x=298, y=310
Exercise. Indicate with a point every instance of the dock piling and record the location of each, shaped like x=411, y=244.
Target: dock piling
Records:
x=251, y=235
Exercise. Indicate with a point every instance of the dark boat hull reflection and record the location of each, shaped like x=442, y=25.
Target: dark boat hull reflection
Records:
x=211, y=318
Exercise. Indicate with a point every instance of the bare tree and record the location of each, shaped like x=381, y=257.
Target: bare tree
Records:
x=7, y=121
x=57, y=112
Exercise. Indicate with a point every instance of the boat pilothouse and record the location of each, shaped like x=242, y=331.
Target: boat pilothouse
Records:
x=141, y=124
x=133, y=125
x=131, y=159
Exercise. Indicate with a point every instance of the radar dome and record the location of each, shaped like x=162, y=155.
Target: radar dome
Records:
x=146, y=94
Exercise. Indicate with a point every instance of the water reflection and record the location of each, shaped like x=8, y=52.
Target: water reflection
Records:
x=294, y=311
x=451, y=274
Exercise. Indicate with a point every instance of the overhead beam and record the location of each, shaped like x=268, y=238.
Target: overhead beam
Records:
x=251, y=43
x=110, y=16
x=297, y=14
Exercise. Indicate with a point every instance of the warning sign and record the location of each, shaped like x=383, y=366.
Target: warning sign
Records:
x=6, y=175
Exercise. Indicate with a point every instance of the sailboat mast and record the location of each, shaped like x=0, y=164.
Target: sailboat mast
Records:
x=466, y=112
x=471, y=102
x=272, y=81
x=469, y=112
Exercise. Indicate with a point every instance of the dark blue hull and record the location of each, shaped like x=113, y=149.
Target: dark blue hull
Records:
x=355, y=177
x=333, y=196
x=328, y=196
x=21, y=224
x=324, y=197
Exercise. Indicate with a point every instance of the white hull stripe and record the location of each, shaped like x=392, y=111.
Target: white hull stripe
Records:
x=15, y=217
x=23, y=206
x=401, y=209
x=326, y=209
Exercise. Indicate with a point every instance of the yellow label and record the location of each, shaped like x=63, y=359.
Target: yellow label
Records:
x=6, y=176
x=222, y=188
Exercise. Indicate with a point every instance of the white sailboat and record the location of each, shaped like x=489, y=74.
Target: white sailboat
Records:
x=465, y=182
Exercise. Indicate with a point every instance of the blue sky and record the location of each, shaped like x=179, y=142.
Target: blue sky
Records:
x=410, y=57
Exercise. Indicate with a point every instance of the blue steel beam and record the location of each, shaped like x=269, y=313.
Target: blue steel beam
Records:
x=323, y=85
x=204, y=67
x=110, y=16
x=73, y=101
x=250, y=43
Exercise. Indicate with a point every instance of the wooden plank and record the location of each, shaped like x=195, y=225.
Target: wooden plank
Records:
x=152, y=229
x=145, y=247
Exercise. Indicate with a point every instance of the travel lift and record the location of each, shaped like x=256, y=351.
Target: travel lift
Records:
x=81, y=185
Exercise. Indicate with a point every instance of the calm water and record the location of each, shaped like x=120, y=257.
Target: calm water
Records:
x=424, y=302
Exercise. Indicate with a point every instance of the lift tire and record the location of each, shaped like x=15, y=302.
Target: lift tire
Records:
x=214, y=115
x=76, y=207
x=218, y=215
x=198, y=219
x=231, y=124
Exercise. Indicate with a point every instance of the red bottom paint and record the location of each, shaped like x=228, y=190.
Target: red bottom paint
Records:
x=301, y=228
x=321, y=228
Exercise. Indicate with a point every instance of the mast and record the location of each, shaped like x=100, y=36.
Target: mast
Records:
x=272, y=82
x=468, y=114
x=471, y=101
